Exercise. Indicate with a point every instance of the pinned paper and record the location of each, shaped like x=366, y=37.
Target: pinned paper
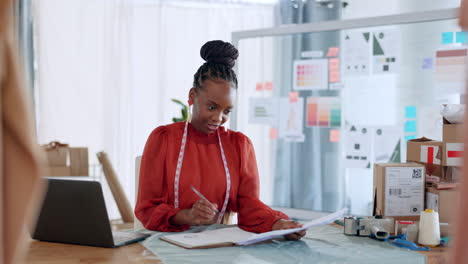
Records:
x=310, y=74
x=334, y=135
x=428, y=64
x=323, y=111
x=410, y=126
x=268, y=86
x=263, y=110
x=447, y=38
x=259, y=86
x=461, y=37
x=332, y=52
x=386, y=50
x=410, y=112
x=293, y=97
x=450, y=70
x=334, y=70
x=273, y=133
x=312, y=54
x=356, y=52
x=291, y=119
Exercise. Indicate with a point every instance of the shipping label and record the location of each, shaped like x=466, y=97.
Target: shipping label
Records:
x=404, y=191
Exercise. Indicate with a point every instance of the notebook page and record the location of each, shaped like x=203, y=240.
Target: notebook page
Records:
x=279, y=233
x=211, y=237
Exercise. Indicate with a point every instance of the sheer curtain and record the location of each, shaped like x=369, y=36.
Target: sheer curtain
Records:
x=106, y=70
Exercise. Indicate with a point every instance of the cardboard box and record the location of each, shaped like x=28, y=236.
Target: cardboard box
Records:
x=66, y=161
x=59, y=171
x=399, y=190
x=444, y=202
x=452, y=133
x=427, y=152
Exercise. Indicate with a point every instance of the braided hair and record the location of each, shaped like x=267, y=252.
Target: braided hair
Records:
x=220, y=58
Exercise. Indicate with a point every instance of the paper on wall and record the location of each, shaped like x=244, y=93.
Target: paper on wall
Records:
x=386, y=144
x=358, y=147
x=450, y=71
x=362, y=95
x=356, y=52
x=291, y=116
x=263, y=110
x=404, y=191
x=386, y=50
x=310, y=74
x=367, y=145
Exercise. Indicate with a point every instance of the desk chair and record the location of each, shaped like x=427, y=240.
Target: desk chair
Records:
x=137, y=225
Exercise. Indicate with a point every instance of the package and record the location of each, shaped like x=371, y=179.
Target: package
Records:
x=63, y=160
x=451, y=132
x=444, y=202
x=399, y=190
x=427, y=152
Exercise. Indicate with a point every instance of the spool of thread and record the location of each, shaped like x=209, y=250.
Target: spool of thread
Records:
x=429, y=229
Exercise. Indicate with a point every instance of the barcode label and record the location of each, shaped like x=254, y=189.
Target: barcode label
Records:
x=395, y=191
x=417, y=173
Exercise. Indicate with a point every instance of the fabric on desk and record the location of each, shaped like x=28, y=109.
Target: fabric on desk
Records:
x=203, y=168
x=323, y=244
x=20, y=162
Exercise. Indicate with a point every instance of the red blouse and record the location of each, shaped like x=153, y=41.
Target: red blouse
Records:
x=203, y=168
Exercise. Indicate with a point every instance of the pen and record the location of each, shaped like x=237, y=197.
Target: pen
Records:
x=201, y=196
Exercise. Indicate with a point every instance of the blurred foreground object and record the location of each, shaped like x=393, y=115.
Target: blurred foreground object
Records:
x=460, y=254
x=20, y=164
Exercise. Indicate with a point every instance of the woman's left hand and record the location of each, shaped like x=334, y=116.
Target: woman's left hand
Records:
x=288, y=224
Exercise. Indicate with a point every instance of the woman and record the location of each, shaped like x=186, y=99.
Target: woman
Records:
x=203, y=154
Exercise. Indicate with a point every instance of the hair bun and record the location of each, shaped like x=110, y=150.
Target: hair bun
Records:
x=218, y=51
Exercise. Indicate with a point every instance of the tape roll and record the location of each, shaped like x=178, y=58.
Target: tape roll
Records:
x=429, y=229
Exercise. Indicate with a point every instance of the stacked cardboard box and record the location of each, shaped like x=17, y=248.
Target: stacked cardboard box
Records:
x=63, y=160
x=442, y=161
x=398, y=190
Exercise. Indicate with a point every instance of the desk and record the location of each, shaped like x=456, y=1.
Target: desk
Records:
x=56, y=253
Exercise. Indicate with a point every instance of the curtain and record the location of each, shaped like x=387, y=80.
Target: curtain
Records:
x=108, y=69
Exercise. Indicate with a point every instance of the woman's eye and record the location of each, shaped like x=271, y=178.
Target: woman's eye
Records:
x=211, y=108
x=227, y=112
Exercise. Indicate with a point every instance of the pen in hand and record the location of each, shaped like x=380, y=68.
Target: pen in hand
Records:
x=201, y=196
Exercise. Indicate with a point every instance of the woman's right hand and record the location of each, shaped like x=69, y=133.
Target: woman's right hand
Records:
x=201, y=213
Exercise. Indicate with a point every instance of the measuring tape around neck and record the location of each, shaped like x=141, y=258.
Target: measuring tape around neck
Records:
x=179, y=167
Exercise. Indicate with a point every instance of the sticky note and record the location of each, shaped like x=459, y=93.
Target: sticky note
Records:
x=334, y=135
x=273, y=133
x=410, y=126
x=447, y=37
x=409, y=137
x=333, y=52
x=268, y=86
x=293, y=97
x=461, y=37
x=410, y=112
x=427, y=63
x=259, y=86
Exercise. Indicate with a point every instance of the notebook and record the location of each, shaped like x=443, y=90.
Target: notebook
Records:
x=234, y=236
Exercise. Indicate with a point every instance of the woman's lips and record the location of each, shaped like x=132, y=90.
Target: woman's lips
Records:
x=212, y=127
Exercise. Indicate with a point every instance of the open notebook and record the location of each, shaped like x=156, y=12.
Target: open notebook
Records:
x=232, y=236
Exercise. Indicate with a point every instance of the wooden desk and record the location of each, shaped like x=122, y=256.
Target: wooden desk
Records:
x=56, y=253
